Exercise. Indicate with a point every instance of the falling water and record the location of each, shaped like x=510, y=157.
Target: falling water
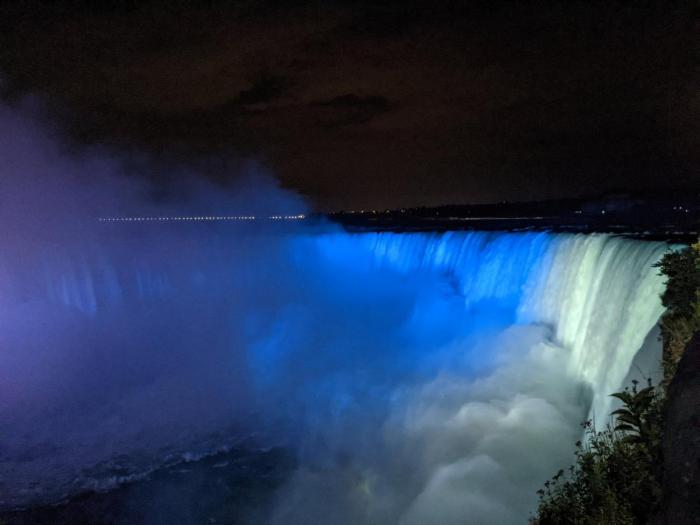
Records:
x=600, y=293
x=139, y=346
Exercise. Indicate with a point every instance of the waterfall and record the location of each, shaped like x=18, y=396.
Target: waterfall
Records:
x=532, y=332
x=431, y=361
x=600, y=293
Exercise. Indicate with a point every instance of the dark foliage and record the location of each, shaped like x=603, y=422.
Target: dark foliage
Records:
x=683, y=271
x=616, y=479
x=682, y=300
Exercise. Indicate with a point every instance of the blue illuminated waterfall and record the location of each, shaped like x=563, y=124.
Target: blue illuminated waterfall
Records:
x=460, y=347
x=600, y=293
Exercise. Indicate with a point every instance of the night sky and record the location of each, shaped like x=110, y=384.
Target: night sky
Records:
x=379, y=104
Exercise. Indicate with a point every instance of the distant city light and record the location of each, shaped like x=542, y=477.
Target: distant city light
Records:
x=205, y=218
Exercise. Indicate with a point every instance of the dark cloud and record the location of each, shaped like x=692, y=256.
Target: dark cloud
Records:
x=264, y=89
x=381, y=103
x=349, y=109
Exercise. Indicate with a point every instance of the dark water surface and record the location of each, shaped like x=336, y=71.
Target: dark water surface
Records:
x=234, y=487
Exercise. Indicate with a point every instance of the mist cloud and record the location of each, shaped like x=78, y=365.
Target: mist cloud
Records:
x=121, y=338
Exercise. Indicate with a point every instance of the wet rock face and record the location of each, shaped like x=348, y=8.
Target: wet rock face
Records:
x=682, y=441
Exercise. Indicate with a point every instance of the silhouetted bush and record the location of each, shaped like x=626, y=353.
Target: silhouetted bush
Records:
x=682, y=300
x=616, y=479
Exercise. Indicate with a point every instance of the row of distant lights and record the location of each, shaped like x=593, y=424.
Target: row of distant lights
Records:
x=375, y=212
x=204, y=218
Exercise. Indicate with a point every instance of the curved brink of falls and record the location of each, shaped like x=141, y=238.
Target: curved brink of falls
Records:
x=600, y=293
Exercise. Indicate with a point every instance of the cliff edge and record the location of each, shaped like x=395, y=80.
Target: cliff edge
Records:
x=681, y=443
